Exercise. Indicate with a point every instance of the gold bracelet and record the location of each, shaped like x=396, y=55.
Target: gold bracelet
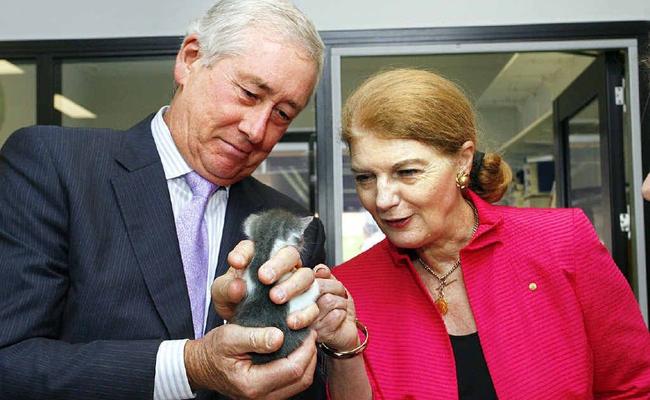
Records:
x=349, y=353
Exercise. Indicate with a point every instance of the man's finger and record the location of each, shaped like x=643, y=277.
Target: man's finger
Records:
x=285, y=260
x=242, y=254
x=237, y=340
x=299, y=281
x=227, y=291
x=301, y=385
x=303, y=318
x=288, y=376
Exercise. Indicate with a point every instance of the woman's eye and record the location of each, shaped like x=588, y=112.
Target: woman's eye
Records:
x=409, y=172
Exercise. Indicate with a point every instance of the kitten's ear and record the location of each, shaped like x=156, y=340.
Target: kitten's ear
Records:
x=248, y=225
x=305, y=221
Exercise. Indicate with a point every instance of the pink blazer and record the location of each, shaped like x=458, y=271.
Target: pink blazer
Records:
x=578, y=335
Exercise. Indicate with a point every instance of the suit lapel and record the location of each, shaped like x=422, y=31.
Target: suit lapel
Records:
x=242, y=201
x=144, y=201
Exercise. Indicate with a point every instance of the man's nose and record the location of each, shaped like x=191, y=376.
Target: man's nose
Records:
x=255, y=121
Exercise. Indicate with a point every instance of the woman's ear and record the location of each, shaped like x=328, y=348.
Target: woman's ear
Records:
x=465, y=156
x=186, y=57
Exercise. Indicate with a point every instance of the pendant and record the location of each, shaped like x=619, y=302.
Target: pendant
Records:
x=441, y=303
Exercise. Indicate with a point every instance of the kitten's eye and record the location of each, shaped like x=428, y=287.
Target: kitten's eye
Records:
x=293, y=239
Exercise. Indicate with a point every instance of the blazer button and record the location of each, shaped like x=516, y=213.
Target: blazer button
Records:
x=532, y=286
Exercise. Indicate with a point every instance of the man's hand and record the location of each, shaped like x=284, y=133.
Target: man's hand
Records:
x=219, y=362
x=229, y=289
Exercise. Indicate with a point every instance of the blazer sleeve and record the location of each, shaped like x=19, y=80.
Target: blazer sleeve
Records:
x=617, y=335
x=34, y=282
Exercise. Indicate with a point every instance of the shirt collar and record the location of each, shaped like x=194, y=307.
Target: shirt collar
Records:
x=173, y=162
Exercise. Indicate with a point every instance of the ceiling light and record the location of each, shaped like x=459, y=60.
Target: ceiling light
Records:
x=7, y=68
x=71, y=109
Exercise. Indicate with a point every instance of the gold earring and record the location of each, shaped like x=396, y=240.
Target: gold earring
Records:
x=462, y=179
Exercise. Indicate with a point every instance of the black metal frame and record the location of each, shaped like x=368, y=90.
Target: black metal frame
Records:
x=608, y=72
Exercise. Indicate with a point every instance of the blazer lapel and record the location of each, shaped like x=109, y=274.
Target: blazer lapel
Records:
x=144, y=201
x=242, y=201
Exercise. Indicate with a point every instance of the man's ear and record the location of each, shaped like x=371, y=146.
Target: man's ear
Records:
x=186, y=57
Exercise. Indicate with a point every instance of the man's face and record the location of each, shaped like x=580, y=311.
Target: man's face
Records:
x=226, y=118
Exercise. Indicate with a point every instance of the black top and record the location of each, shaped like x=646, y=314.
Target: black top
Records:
x=474, y=381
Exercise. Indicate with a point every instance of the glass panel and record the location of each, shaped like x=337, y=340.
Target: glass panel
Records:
x=585, y=181
x=17, y=96
x=513, y=97
x=287, y=170
x=116, y=93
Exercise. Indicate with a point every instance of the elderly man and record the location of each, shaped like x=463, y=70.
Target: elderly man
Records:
x=109, y=241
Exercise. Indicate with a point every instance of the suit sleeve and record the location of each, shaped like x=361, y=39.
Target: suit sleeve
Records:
x=34, y=283
x=617, y=335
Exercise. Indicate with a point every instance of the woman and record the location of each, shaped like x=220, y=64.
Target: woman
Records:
x=465, y=299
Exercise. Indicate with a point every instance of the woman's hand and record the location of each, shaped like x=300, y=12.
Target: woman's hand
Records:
x=335, y=324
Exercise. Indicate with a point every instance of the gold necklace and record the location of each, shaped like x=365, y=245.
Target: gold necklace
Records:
x=440, y=301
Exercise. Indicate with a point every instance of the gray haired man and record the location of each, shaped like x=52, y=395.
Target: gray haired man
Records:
x=99, y=293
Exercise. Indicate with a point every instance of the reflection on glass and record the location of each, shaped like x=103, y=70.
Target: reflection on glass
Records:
x=585, y=184
x=17, y=96
x=287, y=170
x=119, y=92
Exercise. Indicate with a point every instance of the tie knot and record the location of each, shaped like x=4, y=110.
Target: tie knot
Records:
x=199, y=185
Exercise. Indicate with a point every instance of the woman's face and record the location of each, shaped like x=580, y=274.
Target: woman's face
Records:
x=408, y=186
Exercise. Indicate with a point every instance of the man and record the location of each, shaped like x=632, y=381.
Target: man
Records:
x=105, y=262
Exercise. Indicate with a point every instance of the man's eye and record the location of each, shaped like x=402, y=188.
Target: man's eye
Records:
x=248, y=93
x=362, y=178
x=283, y=115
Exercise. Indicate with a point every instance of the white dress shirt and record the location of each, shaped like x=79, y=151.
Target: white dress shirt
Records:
x=171, y=379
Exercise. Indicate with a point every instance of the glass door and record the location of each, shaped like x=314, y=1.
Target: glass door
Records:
x=588, y=120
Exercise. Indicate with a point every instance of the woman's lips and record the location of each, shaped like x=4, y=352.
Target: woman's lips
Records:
x=397, y=223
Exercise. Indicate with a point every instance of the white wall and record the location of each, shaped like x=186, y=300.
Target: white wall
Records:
x=66, y=19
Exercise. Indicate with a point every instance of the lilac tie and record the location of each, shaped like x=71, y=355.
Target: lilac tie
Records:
x=193, y=241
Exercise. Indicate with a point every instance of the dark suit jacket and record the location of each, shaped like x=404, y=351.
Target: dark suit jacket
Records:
x=91, y=278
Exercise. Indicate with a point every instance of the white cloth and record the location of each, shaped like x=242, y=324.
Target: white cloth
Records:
x=171, y=378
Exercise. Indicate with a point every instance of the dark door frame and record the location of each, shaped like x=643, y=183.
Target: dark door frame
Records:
x=607, y=71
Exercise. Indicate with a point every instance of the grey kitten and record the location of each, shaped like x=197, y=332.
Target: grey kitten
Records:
x=271, y=231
